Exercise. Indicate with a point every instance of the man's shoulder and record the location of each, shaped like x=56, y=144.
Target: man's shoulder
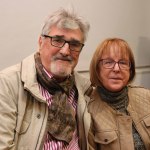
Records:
x=15, y=70
x=10, y=71
x=16, y=67
x=82, y=80
x=80, y=77
x=10, y=77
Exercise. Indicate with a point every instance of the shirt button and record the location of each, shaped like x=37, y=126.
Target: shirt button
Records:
x=38, y=116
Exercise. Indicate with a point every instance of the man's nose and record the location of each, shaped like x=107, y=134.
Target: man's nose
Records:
x=65, y=50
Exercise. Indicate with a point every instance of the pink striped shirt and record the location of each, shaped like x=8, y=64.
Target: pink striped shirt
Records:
x=51, y=143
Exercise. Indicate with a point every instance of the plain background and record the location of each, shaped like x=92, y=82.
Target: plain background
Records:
x=22, y=20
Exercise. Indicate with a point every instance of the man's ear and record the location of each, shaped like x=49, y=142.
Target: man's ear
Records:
x=40, y=41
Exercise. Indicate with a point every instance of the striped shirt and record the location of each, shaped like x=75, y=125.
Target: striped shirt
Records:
x=54, y=144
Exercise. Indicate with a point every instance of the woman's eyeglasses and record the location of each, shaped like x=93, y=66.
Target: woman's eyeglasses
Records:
x=110, y=63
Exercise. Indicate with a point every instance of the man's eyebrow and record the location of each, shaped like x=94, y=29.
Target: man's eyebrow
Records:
x=63, y=37
x=58, y=36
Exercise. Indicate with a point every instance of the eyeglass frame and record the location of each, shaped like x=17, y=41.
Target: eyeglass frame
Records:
x=65, y=41
x=116, y=62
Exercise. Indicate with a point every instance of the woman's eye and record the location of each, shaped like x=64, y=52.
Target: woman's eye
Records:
x=108, y=62
x=123, y=62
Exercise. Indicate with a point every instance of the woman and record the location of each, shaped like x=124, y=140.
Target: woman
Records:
x=120, y=112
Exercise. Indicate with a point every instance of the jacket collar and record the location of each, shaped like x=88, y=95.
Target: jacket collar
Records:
x=28, y=76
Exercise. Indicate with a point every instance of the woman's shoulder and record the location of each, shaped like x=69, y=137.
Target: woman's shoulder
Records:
x=139, y=90
x=137, y=87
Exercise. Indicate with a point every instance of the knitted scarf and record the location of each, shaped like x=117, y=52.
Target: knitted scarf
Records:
x=61, y=118
x=117, y=100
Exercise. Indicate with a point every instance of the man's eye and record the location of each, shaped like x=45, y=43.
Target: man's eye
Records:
x=75, y=44
x=58, y=40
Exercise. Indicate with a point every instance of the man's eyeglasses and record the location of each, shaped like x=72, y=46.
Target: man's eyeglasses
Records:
x=110, y=63
x=60, y=42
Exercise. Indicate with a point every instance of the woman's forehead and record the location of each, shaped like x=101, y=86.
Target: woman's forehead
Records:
x=116, y=51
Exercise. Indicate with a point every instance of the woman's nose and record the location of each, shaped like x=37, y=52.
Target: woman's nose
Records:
x=116, y=67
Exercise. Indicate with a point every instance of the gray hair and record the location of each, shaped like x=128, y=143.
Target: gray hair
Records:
x=66, y=19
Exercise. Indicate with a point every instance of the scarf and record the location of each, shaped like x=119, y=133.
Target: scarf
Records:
x=117, y=100
x=61, y=119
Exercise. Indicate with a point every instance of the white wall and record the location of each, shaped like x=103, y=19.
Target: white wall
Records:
x=21, y=22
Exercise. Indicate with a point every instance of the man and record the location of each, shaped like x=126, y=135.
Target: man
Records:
x=42, y=99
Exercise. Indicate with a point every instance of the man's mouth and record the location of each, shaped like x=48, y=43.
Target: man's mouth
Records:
x=63, y=59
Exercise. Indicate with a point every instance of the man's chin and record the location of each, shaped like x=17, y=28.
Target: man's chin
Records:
x=61, y=70
x=61, y=74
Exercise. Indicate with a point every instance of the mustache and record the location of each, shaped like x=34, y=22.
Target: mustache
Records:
x=60, y=57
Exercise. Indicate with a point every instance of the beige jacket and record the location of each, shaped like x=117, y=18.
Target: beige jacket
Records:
x=24, y=112
x=112, y=130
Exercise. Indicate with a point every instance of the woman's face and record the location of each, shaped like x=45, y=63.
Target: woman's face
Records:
x=115, y=78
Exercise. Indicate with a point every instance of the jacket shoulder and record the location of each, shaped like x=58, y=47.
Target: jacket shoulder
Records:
x=82, y=81
x=139, y=91
x=137, y=88
x=10, y=74
x=10, y=70
x=10, y=78
x=95, y=102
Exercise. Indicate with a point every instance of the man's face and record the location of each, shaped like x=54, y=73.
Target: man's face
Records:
x=60, y=61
